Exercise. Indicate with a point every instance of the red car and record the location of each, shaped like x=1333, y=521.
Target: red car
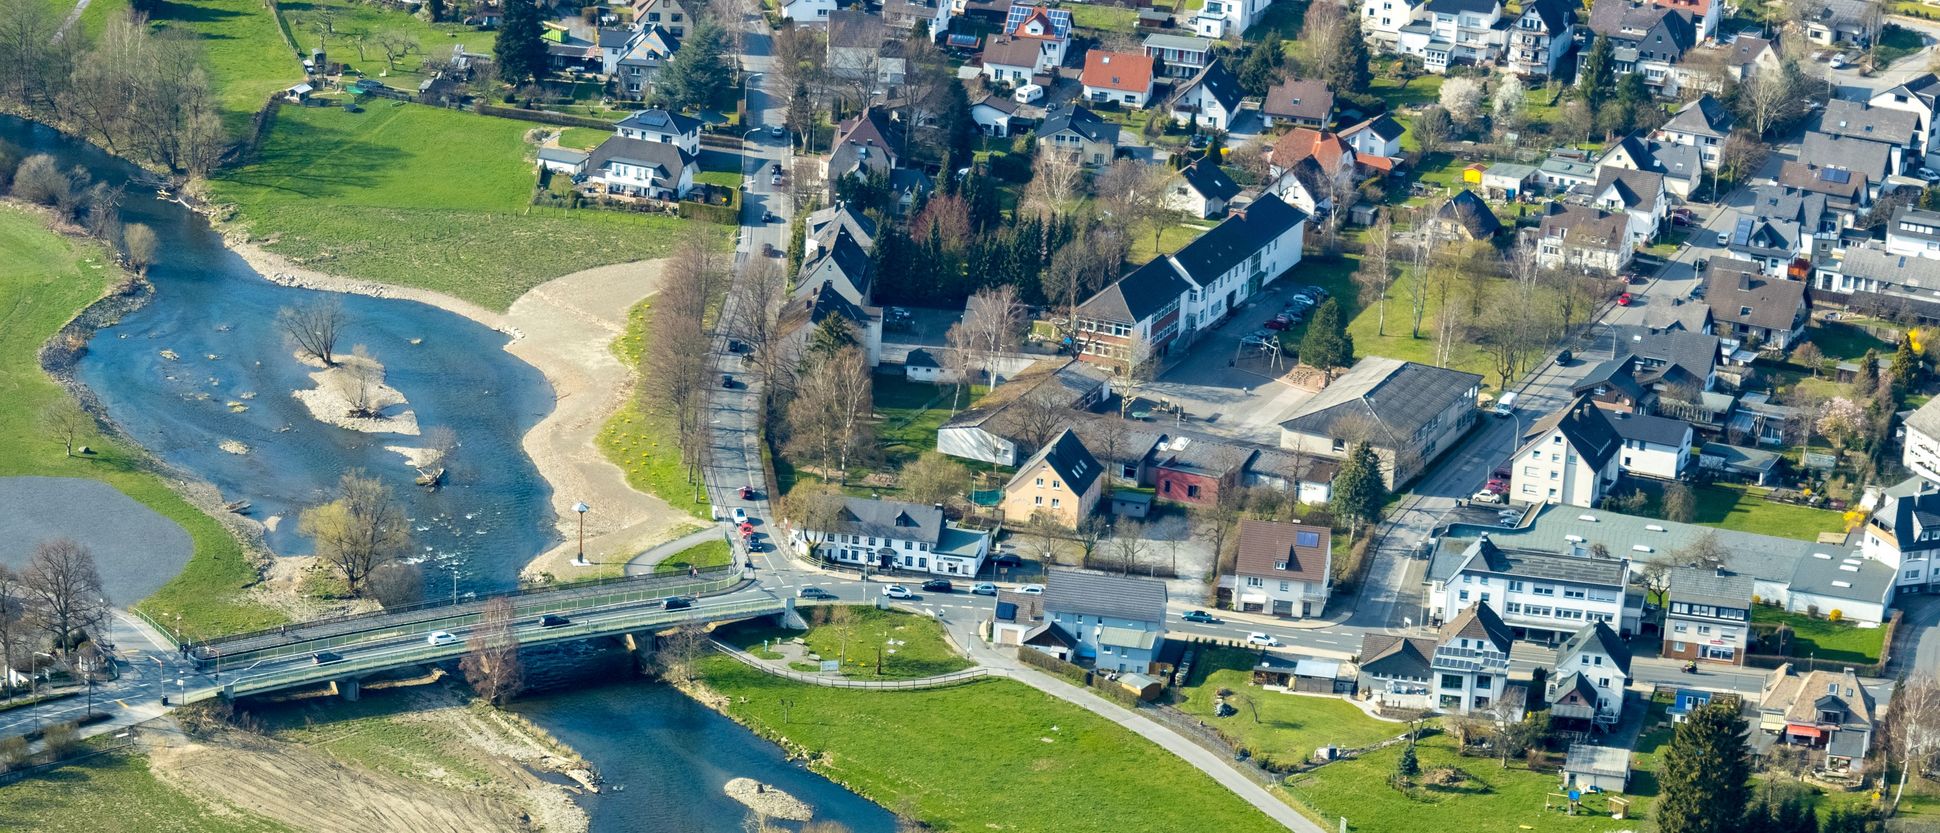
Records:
x=1624, y=300
x=1279, y=322
x=1684, y=217
x=1497, y=486
x=747, y=493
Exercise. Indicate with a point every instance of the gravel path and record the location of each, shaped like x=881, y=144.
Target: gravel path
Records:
x=136, y=550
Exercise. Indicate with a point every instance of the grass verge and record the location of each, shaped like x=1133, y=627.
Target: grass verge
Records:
x=699, y=556
x=422, y=196
x=640, y=440
x=911, y=646
x=1007, y=749
x=45, y=279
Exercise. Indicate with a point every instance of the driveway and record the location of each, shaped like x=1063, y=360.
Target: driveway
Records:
x=1241, y=399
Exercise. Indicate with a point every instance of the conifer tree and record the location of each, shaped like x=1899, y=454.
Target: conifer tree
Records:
x=1705, y=782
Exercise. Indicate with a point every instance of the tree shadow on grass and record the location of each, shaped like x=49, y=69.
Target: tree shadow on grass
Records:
x=202, y=14
x=318, y=162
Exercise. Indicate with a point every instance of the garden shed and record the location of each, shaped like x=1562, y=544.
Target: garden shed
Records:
x=1593, y=767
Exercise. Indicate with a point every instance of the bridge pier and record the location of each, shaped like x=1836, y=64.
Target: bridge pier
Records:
x=790, y=617
x=641, y=646
x=351, y=689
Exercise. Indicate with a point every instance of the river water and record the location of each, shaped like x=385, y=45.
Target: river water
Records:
x=169, y=373
x=215, y=316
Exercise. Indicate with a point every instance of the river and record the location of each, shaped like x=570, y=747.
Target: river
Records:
x=203, y=365
x=664, y=759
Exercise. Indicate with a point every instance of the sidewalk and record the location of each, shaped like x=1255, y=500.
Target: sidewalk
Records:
x=964, y=633
x=644, y=563
x=1312, y=623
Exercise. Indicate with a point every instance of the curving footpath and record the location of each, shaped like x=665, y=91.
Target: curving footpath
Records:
x=938, y=681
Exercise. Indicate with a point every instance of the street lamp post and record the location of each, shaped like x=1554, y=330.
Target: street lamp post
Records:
x=747, y=83
x=582, y=509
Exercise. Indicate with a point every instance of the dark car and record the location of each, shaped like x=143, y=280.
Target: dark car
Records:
x=814, y=593
x=1006, y=559
x=937, y=585
x=734, y=346
x=1199, y=616
x=679, y=602
x=1563, y=358
x=553, y=620
x=727, y=381
x=1320, y=293
x=326, y=657
x=768, y=217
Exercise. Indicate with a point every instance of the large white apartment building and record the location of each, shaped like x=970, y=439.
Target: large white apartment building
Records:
x=1546, y=595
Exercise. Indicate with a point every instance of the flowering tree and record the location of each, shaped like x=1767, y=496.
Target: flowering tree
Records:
x=1842, y=421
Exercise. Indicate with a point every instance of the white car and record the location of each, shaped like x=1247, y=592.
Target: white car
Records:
x=1485, y=496
x=1259, y=638
x=1724, y=238
x=740, y=515
x=897, y=591
x=440, y=638
x=1033, y=589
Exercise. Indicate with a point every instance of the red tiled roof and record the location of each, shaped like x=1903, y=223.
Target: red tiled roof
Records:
x=1119, y=71
x=1324, y=147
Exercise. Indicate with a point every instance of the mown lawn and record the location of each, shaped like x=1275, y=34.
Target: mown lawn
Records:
x=1842, y=341
x=1489, y=799
x=641, y=441
x=989, y=755
x=1823, y=639
x=911, y=412
x=1274, y=725
x=912, y=645
x=1744, y=508
x=422, y=196
x=1395, y=340
x=1896, y=42
x=1104, y=18
x=117, y=794
x=45, y=279
x=1171, y=239
x=584, y=138
x=246, y=56
x=699, y=556
x=339, y=25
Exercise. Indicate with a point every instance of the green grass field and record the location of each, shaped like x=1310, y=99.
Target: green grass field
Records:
x=918, y=649
x=1104, y=18
x=1395, y=340
x=1272, y=725
x=583, y=138
x=45, y=279
x=246, y=56
x=1171, y=239
x=640, y=441
x=1822, y=639
x=1839, y=340
x=1490, y=800
x=989, y=755
x=700, y=556
x=340, y=25
x=422, y=196
x=911, y=412
x=1744, y=508
x=117, y=794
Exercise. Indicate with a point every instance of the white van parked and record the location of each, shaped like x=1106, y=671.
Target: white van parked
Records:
x=1027, y=94
x=1506, y=405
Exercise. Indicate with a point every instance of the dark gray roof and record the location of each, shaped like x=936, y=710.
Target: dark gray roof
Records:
x=996, y=102
x=844, y=262
x=1206, y=178
x=1395, y=657
x=1596, y=636
x=614, y=38
x=1096, y=594
x=1383, y=126
x=1221, y=84
x=1082, y=122
x=1843, y=574
x=1478, y=621
x=1554, y=14
x=1471, y=212
x=657, y=119
x=1137, y=296
x=888, y=519
x=1460, y=6
x=1858, y=120
x=1655, y=430
x=1400, y=397
x=1299, y=99
x=1857, y=155
x=1484, y=556
x=1237, y=238
x=920, y=357
x=869, y=142
x=1068, y=457
x=1634, y=188
x=1586, y=228
x=822, y=225
x=669, y=159
x=1667, y=41
x=854, y=29
x=1743, y=297
x=1909, y=509
x=1703, y=585
x=1619, y=374
x=1584, y=426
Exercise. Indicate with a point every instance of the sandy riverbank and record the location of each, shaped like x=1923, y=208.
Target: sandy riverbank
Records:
x=564, y=328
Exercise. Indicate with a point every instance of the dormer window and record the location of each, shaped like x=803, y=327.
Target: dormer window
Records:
x=1279, y=565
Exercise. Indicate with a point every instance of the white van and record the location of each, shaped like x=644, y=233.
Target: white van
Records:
x=1027, y=94
x=1506, y=405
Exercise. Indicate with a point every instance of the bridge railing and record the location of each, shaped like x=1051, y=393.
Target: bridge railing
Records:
x=361, y=663
x=343, y=631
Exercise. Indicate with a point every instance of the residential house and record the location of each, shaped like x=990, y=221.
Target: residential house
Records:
x=856, y=48
x=659, y=125
x=1867, y=160
x=1464, y=216
x=993, y=114
x=1663, y=359
x=1896, y=129
x=1045, y=35
x=1843, y=22
x=1300, y=104
x=1647, y=40
x=1227, y=18
x=1209, y=100
x=1921, y=454
x=1846, y=193
x=1653, y=446
x=1704, y=123
x=636, y=168
x=1282, y=569
x=1914, y=231
x=1508, y=180
x=1080, y=134
x=844, y=264
x=1179, y=56
x=1638, y=195
x=904, y=15
x=1680, y=165
x=807, y=11
x=1871, y=280
x=890, y=535
x=820, y=301
x=1058, y=486
x=614, y=44
x=869, y=144
x=1569, y=456
x=1125, y=326
x=636, y=71
x=1378, y=136
x=1544, y=595
x=1705, y=15
x=1471, y=664
x=1750, y=306
x=1189, y=471
x=1018, y=621
x=1395, y=671
x=1383, y=20
x=1904, y=531
x=1828, y=712
x=1772, y=245
x=1118, y=622
x=1566, y=170
x=1591, y=672
x=1917, y=95
x=1707, y=615
x=1455, y=32
x=1540, y=37
x=1310, y=168
x=991, y=432
x=668, y=14
x=822, y=226
x=1120, y=78
x=1200, y=189
x=1410, y=413
x=1581, y=239
x=1015, y=62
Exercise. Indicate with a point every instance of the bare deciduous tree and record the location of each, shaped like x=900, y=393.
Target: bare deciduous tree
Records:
x=358, y=381
x=678, y=651
x=138, y=240
x=63, y=589
x=1376, y=274
x=992, y=325
x=362, y=528
x=1055, y=179
x=491, y=662
x=1128, y=545
x=66, y=423
x=1913, y=726
x=313, y=327
x=830, y=416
